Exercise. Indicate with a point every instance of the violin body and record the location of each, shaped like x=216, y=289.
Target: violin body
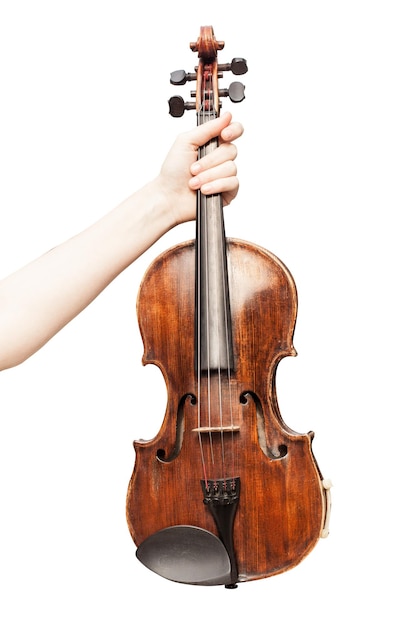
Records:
x=281, y=510
x=226, y=492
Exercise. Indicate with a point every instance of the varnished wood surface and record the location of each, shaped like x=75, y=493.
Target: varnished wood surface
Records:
x=281, y=509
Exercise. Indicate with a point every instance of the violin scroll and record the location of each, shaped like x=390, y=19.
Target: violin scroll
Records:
x=207, y=47
x=207, y=44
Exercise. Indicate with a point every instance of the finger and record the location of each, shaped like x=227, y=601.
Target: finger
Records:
x=232, y=132
x=228, y=187
x=208, y=178
x=225, y=152
x=209, y=130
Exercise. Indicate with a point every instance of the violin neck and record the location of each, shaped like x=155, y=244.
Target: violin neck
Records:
x=213, y=318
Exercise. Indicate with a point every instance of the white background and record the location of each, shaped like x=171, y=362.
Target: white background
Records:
x=327, y=167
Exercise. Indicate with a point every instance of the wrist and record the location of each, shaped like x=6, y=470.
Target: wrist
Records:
x=142, y=219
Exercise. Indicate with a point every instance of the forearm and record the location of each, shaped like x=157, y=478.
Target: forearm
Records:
x=42, y=297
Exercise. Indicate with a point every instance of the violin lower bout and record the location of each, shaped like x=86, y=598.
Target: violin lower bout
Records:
x=280, y=513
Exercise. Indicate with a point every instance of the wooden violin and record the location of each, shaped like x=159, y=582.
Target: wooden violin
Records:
x=226, y=492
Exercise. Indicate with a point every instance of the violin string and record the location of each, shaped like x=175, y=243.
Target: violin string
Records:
x=198, y=270
x=228, y=395
x=217, y=308
x=214, y=294
x=203, y=281
x=228, y=360
x=206, y=117
x=222, y=300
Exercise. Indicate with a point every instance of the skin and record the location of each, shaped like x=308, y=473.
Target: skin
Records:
x=38, y=300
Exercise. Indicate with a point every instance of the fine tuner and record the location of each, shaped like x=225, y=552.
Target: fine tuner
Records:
x=236, y=90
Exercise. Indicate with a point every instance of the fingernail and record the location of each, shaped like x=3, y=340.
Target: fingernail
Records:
x=195, y=182
x=195, y=168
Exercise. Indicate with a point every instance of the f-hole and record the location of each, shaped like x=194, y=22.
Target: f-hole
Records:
x=282, y=450
x=161, y=454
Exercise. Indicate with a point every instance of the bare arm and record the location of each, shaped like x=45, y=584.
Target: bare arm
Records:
x=42, y=297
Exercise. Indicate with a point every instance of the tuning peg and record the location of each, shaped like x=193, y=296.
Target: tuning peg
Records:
x=238, y=66
x=236, y=92
x=180, y=77
x=177, y=106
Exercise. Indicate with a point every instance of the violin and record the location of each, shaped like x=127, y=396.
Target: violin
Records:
x=225, y=492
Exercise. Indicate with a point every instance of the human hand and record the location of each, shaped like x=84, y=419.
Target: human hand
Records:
x=182, y=174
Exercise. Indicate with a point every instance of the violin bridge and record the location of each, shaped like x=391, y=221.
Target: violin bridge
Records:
x=216, y=429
